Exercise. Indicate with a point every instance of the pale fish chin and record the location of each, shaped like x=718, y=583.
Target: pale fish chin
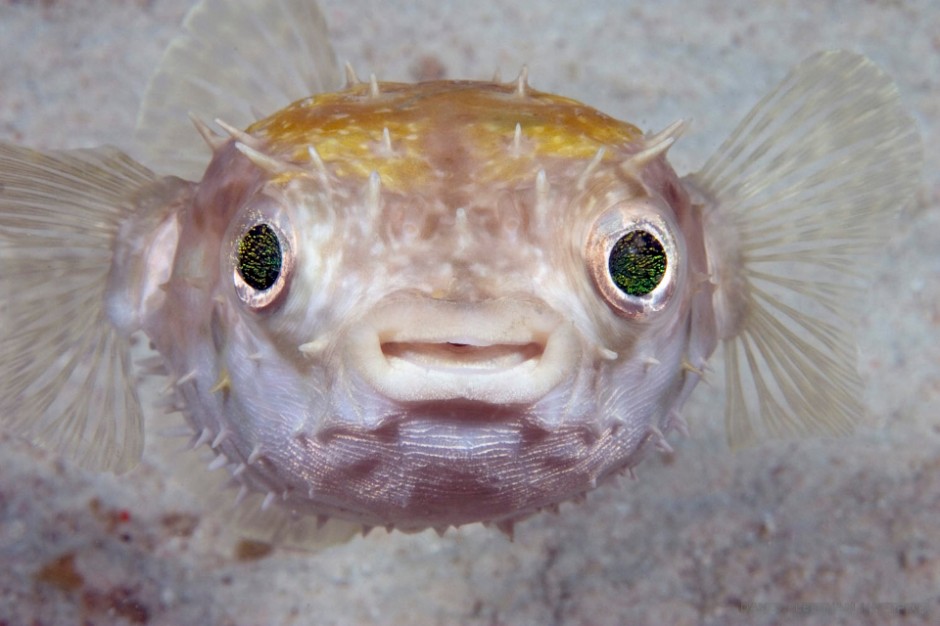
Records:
x=412, y=348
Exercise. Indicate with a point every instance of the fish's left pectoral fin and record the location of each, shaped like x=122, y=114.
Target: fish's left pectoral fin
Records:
x=799, y=202
x=65, y=371
x=256, y=517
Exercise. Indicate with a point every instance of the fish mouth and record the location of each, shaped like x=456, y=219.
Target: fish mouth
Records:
x=466, y=357
x=412, y=348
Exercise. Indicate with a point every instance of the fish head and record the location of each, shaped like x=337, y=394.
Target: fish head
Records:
x=435, y=304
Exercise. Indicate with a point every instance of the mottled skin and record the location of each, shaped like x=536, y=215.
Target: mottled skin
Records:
x=437, y=352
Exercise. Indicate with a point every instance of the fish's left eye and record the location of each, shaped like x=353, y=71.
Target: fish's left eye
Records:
x=637, y=263
x=261, y=259
x=633, y=258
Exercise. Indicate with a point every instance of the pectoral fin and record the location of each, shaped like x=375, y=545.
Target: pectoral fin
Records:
x=799, y=202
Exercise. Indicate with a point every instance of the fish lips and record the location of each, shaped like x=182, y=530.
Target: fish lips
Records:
x=505, y=351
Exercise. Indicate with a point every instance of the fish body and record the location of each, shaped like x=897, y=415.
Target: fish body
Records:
x=432, y=330
x=442, y=303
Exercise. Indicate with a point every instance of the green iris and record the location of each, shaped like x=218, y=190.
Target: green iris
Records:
x=637, y=263
x=258, y=257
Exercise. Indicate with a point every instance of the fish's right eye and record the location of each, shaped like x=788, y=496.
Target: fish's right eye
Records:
x=258, y=257
x=262, y=260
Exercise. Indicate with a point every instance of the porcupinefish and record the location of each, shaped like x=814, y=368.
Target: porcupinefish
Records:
x=427, y=305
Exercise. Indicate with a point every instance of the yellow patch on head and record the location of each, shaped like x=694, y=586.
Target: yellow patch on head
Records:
x=439, y=132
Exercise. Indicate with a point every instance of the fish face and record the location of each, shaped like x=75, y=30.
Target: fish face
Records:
x=434, y=304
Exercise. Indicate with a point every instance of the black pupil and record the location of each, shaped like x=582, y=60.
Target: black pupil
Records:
x=637, y=263
x=258, y=257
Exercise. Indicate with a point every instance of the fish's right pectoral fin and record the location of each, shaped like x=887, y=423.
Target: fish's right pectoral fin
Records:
x=65, y=371
x=800, y=200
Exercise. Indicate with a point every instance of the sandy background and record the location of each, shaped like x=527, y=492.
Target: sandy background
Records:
x=839, y=532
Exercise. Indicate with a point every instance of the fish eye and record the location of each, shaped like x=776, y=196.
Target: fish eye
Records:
x=633, y=258
x=258, y=257
x=637, y=263
x=261, y=259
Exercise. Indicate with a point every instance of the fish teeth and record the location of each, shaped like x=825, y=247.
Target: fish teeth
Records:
x=218, y=463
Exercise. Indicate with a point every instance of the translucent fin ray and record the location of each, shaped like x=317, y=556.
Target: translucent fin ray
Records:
x=286, y=529
x=65, y=381
x=229, y=64
x=800, y=198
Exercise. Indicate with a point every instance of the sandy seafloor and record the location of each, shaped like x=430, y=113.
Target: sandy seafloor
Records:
x=815, y=532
